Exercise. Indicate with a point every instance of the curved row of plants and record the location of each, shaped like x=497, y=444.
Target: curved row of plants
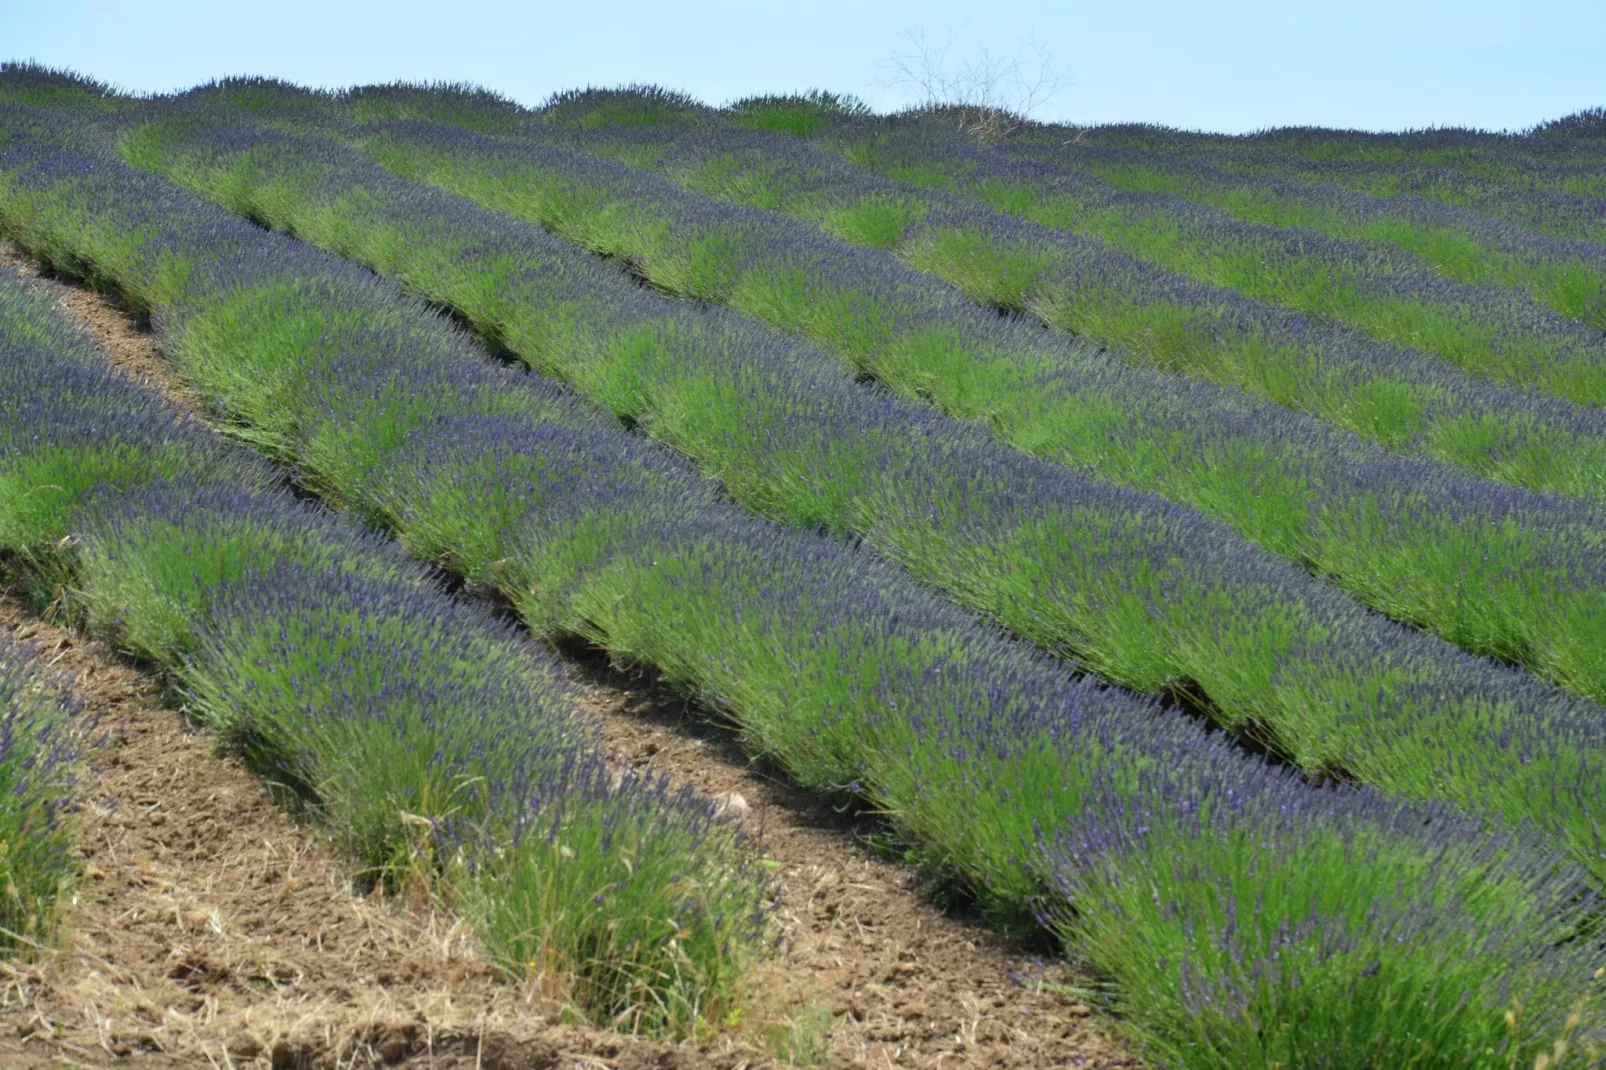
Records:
x=1491, y=569
x=435, y=743
x=1458, y=243
x=1380, y=392
x=1566, y=201
x=1393, y=295
x=41, y=734
x=1147, y=594
x=1577, y=138
x=39, y=741
x=1405, y=403
x=1562, y=156
x=1223, y=895
x=1408, y=407
x=1165, y=282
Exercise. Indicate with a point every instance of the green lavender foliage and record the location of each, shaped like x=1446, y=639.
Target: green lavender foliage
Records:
x=435, y=744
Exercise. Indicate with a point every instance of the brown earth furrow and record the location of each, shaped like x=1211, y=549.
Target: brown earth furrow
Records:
x=909, y=985
x=210, y=930
x=896, y=981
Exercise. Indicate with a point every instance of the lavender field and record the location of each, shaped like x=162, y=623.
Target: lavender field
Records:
x=1190, y=549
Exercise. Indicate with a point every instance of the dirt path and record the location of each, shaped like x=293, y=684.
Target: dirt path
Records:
x=893, y=980
x=211, y=930
x=910, y=985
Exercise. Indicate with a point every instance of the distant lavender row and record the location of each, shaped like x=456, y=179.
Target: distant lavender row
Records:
x=1396, y=298
x=1484, y=329
x=964, y=738
x=1146, y=593
x=703, y=249
x=1299, y=490
x=1570, y=208
x=1565, y=167
x=1458, y=242
x=333, y=665
x=1576, y=138
x=1577, y=293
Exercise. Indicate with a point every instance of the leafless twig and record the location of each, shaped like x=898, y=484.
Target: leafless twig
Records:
x=985, y=93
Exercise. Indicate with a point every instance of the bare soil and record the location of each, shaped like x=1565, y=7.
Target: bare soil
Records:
x=907, y=984
x=214, y=931
x=209, y=929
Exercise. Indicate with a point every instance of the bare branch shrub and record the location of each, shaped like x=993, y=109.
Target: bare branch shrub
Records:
x=984, y=93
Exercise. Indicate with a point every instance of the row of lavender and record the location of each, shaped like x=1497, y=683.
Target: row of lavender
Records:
x=1176, y=299
x=1221, y=893
x=1465, y=246
x=334, y=666
x=1173, y=296
x=1577, y=140
x=1459, y=243
x=1497, y=571
x=1147, y=594
x=1521, y=335
x=1373, y=390
x=40, y=729
x=1552, y=153
x=1406, y=403
x=1559, y=192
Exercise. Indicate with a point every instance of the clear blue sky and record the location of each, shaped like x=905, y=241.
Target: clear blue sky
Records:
x=1231, y=66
